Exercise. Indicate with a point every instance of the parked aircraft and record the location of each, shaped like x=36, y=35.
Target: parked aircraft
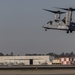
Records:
x=64, y=24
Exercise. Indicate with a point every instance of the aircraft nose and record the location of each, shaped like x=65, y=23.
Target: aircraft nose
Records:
x=43, y=27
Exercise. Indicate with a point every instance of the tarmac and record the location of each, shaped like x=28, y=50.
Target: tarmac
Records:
x=38, y=67
x=38, y=72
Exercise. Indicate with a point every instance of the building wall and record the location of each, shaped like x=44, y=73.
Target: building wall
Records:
x=24, y=60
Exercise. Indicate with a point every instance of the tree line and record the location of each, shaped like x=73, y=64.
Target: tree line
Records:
x=71, y=54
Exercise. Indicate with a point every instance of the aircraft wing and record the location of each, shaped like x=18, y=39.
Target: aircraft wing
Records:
x=56, y=28
x=73, y=23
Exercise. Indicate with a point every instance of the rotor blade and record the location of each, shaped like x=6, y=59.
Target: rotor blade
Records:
x=73, y=9
x=56, y=12
x=49, y=10
x=61, y=8
x=70, y=9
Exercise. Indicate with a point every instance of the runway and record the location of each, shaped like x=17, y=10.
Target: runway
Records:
x=37, y=72
x=38, y=67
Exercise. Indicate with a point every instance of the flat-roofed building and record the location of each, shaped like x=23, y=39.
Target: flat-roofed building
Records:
x=25, y=60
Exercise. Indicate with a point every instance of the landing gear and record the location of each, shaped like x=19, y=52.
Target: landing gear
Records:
x=45, y=29
x=69, y=31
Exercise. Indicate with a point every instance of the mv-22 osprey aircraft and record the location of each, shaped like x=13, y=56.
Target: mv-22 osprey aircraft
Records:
x=64, y=24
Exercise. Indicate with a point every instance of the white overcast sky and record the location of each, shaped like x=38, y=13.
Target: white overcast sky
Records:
x=21, y=29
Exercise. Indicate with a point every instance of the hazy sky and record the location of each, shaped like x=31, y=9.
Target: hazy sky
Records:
x=21, y=29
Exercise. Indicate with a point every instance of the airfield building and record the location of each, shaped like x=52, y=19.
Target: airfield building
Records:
x=25, y=60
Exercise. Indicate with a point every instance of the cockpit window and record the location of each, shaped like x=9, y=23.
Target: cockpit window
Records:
x=50, y=22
